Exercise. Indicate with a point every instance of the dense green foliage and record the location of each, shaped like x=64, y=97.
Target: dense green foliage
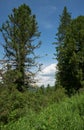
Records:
x=66, y=115
x=15, y=104
x=19, y=33
x=65, y=20
x=73, y=56
x=70, y=53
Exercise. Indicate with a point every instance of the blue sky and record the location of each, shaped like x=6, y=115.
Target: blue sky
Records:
x=47, y=14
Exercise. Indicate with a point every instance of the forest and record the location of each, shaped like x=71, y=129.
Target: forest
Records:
x=23, y=104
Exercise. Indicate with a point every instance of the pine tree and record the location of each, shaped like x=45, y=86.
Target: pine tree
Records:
x=70, y=73
x=19, y=33
x=73, y=78
x=65, y=20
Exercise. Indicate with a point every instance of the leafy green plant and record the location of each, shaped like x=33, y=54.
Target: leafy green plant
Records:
x=65, y=115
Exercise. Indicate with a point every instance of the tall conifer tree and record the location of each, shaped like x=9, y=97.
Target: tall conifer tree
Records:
x=73, y=56
x=65, y=20
x=19, y=33
x=70, y=53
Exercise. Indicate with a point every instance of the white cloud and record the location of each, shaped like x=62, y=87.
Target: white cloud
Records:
x=47, y=75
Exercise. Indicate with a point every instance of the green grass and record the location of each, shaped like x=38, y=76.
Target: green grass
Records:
x=66, y=115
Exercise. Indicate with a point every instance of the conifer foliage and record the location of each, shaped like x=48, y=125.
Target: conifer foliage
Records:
x=19, y=33
x=73, y=77
x=65, y=20
x=70, y=53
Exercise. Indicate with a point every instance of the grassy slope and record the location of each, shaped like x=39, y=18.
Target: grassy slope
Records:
x=67, y=115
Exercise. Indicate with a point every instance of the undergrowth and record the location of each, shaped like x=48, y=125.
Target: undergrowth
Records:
x=65, y=115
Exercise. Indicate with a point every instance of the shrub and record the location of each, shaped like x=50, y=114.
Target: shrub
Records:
x=66, y=115
x=11, y=102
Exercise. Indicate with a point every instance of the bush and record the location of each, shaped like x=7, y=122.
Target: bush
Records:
x=11, y=104
x=66, y=115
x=15, y=104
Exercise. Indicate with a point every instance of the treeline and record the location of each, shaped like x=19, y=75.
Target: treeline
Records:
x=20, y=31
